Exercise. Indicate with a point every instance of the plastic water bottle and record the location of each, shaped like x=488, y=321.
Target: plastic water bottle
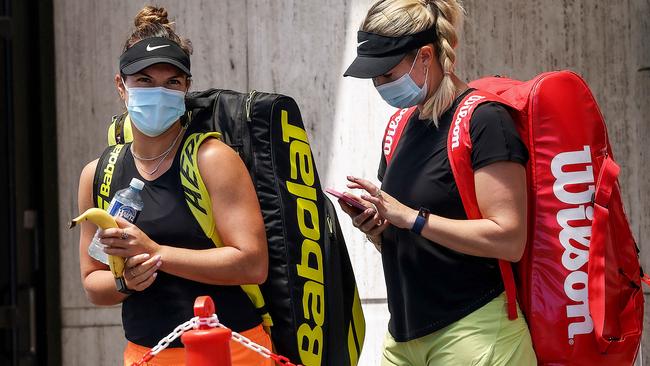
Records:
x=127, y=203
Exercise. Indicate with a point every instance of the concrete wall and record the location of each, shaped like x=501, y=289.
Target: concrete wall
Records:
x=301, y=48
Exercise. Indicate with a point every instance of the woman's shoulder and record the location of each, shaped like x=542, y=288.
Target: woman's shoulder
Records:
x=85, y=189
x=491, y=111
x=495, y=137
x=491, y=116
x=218, y=162
x=88, y=170
x=213, y=150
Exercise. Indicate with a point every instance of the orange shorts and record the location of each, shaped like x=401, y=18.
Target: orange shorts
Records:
x=240, y=355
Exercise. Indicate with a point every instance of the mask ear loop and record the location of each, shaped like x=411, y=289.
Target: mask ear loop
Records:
x=426, y=69
x=127, y=91
x=414, y=60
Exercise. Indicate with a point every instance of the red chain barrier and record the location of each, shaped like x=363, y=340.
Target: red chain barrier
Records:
x=281, y=360
x=146, y=358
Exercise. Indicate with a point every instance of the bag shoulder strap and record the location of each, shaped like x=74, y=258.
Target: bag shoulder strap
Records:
x=394, y=129
x=107, y=166
x=198, y=200
x=607, y=315
x=119, y=132
x=196, y=193
x=459, y=150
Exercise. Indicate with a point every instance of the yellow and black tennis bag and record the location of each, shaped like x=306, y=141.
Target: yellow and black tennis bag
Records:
x=311, y=293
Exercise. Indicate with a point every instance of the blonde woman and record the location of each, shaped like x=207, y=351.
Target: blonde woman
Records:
x=445, y=292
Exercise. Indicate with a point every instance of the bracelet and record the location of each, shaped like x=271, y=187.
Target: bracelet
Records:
x=420, y=220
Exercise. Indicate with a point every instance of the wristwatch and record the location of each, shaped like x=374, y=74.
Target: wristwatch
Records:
x=420, y=220
x=120, y=284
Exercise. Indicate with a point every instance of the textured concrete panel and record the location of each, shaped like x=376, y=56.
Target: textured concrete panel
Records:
x=295, y=48
x=92, y=317
x=93, y=346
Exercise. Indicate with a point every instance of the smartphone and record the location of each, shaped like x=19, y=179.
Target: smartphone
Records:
x=346, y=199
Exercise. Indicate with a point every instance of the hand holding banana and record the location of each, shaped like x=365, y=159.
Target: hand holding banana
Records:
x=105, y=221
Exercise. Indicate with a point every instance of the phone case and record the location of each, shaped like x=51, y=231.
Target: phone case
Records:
x=345, y=199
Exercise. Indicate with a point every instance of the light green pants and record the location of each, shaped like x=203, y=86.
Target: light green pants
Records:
x=484, y=337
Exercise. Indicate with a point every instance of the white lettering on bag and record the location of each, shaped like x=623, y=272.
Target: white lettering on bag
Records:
x=575, y=239
x=464, y=110
x=392, y=129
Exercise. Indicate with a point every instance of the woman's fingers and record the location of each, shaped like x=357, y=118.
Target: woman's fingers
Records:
x=135, y=269
x=368, y=221
x=144, y=272
x=379, y=228
x=136, y=260
x=365, y=184
x=116, y=242
x=120, y=252
x=146, y=283
x=354, y=186
x=117, y=232
x=360, y=219
x=122, y=222
x=141, y=271
x=153, y=261
x=373, y=193
x=113, y=232
x=375, y=200
x=117, y=237
x=350, y=210
x=371, y=224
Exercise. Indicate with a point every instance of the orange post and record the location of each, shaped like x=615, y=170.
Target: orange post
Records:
x=206, y=346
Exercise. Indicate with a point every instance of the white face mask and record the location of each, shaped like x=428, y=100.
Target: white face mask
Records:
x=154, y=110
x=404, y=92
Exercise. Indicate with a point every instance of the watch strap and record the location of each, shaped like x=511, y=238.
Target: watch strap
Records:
x=420, y=220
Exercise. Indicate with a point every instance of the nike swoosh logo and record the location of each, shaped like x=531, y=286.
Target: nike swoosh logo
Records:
x=359, y=44
x=149, y=48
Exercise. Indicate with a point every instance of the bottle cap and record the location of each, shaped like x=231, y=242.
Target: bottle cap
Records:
x=137, y=184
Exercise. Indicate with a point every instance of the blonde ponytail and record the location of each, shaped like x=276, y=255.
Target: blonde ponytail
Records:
x=449, y=16
x=395, y=18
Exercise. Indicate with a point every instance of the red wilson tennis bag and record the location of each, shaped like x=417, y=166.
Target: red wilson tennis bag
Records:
x=579, y=282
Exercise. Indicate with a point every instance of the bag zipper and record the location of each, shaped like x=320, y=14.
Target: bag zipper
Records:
x=249, y=103
x=330, y=227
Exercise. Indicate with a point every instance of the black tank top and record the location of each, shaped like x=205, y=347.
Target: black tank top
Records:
x=152, y=314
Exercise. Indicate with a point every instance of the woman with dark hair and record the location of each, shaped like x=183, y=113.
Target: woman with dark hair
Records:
x=170, y=261
x=445, y=293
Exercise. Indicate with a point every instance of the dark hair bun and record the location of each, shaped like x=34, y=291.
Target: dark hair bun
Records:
x=153, y=21
x=152, y=15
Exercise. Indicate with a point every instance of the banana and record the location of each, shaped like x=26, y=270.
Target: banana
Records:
x=102, y=219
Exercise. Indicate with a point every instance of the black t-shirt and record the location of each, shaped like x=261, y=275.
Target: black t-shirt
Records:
x=431, y=286
x=150, y=315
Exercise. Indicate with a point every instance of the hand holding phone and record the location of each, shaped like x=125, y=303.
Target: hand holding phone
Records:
x=350, y=201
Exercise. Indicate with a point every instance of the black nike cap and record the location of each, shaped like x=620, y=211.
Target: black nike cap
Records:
x=377, y=54
x=151, y=51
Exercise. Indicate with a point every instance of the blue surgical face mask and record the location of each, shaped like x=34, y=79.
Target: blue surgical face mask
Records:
x=154, y=110
x=404, y=92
